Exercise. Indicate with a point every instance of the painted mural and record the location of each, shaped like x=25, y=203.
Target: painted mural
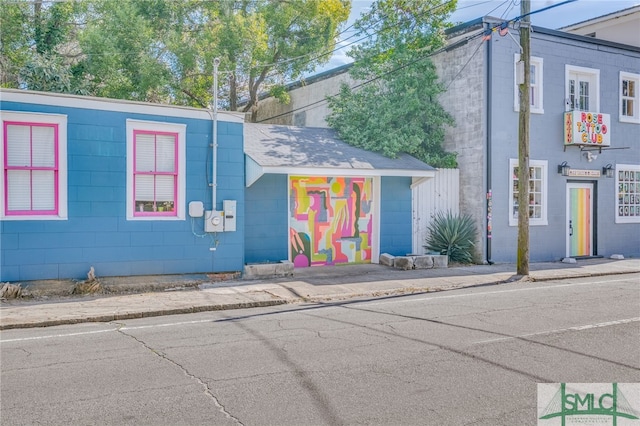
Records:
x=330, y=220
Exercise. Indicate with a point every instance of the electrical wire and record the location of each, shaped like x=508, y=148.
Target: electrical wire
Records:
x=378, y=77
x=497, y=7
x=469, y=38
x=331, y=52
x=465, y=65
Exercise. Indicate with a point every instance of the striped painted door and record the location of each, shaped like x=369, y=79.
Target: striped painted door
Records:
x=579, y=219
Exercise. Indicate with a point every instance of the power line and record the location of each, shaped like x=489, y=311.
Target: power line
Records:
x=321, y=55
x=368, y=36
x=465, y=65
x=378, y=77
x=464, y=41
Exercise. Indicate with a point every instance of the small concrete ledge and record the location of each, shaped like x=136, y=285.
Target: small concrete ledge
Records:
x=386, y=259
x=403, y=262
x=421, y=261
x=440, y=261
x=255, y=271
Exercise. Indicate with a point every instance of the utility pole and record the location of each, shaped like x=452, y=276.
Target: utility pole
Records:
x=523, y=142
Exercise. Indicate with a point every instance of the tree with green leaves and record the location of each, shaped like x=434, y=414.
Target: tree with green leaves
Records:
x=127, y=48
x=163, y=50
x=395, y=108
x=263, y=43
x=36, y=43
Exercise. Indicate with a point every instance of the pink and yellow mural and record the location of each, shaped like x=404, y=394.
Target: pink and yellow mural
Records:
x=330, y=220
x=580, y=222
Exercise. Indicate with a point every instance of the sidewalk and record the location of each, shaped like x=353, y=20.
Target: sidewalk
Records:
x=307, y=285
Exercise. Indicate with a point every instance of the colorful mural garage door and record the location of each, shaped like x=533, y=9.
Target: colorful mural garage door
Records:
x=330, y=220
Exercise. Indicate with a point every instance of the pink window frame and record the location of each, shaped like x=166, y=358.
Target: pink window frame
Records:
x=137, y=213
x=30, y=168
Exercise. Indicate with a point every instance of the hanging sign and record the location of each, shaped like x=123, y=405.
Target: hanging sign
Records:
x=584, y=173
x=587, y=128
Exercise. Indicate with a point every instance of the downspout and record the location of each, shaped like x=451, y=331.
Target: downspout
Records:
x=489, y=193
x=214, y=166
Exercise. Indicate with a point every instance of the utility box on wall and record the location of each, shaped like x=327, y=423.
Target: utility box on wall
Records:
x=213, y=221
x=229, y=211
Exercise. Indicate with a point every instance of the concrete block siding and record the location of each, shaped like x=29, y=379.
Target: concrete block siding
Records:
x=97, y=232
x=395, y=215
x=267, y=227
x=462, y=71
x=267, y=219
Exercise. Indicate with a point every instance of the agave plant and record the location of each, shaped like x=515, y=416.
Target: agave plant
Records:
x=453, y=235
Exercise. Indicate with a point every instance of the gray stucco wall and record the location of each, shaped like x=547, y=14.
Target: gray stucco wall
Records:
x=461, y=71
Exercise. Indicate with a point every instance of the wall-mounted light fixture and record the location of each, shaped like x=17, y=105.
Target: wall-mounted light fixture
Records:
x=564, y=168
x=607, y=171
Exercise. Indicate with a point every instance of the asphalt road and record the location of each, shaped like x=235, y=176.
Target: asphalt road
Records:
x=463, y=357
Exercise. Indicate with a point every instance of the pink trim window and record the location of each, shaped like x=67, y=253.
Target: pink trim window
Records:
x=155, y=173
x=31, y=168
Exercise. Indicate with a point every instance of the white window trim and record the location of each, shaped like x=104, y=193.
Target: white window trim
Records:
x=543, y=221
x=636, y=117
x=539, y=63
x=33, y=117
x=618, y=218
x=569, y=69
x=154, y=126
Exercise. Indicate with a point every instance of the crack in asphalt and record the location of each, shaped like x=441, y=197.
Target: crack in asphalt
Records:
x=319, y=396
x=207, y=390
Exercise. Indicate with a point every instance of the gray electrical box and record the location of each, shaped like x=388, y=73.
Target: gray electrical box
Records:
x=196, y=209
x=213, y=221
x=229, y=210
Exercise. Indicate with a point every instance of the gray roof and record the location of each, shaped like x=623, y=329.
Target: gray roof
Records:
x=275, y=146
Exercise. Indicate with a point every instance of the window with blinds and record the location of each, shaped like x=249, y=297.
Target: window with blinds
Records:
x=31, y=168
x=155, y=172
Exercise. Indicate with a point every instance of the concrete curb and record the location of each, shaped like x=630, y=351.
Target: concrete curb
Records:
x=145, y=314
x=425, y=290
x=279, y=294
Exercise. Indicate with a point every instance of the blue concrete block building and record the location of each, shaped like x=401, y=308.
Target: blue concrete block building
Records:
x=104, y=183
x=315, y=200
x=133, y=188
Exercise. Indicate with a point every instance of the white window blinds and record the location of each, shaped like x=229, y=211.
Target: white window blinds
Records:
x=155, y=171
x=30, y=168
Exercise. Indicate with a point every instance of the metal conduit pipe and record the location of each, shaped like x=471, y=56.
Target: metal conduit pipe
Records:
x=214, y=166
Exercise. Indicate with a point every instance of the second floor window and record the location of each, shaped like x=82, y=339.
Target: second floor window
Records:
x=582, y=88
x=629, y=97
x=535, y=86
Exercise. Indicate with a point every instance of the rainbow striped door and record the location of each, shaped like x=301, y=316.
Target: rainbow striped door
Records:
x=579, y=219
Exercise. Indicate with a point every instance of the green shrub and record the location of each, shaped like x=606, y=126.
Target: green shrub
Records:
x=453, y=235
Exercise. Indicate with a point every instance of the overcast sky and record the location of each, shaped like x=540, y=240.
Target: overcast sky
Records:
x=468, y=10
